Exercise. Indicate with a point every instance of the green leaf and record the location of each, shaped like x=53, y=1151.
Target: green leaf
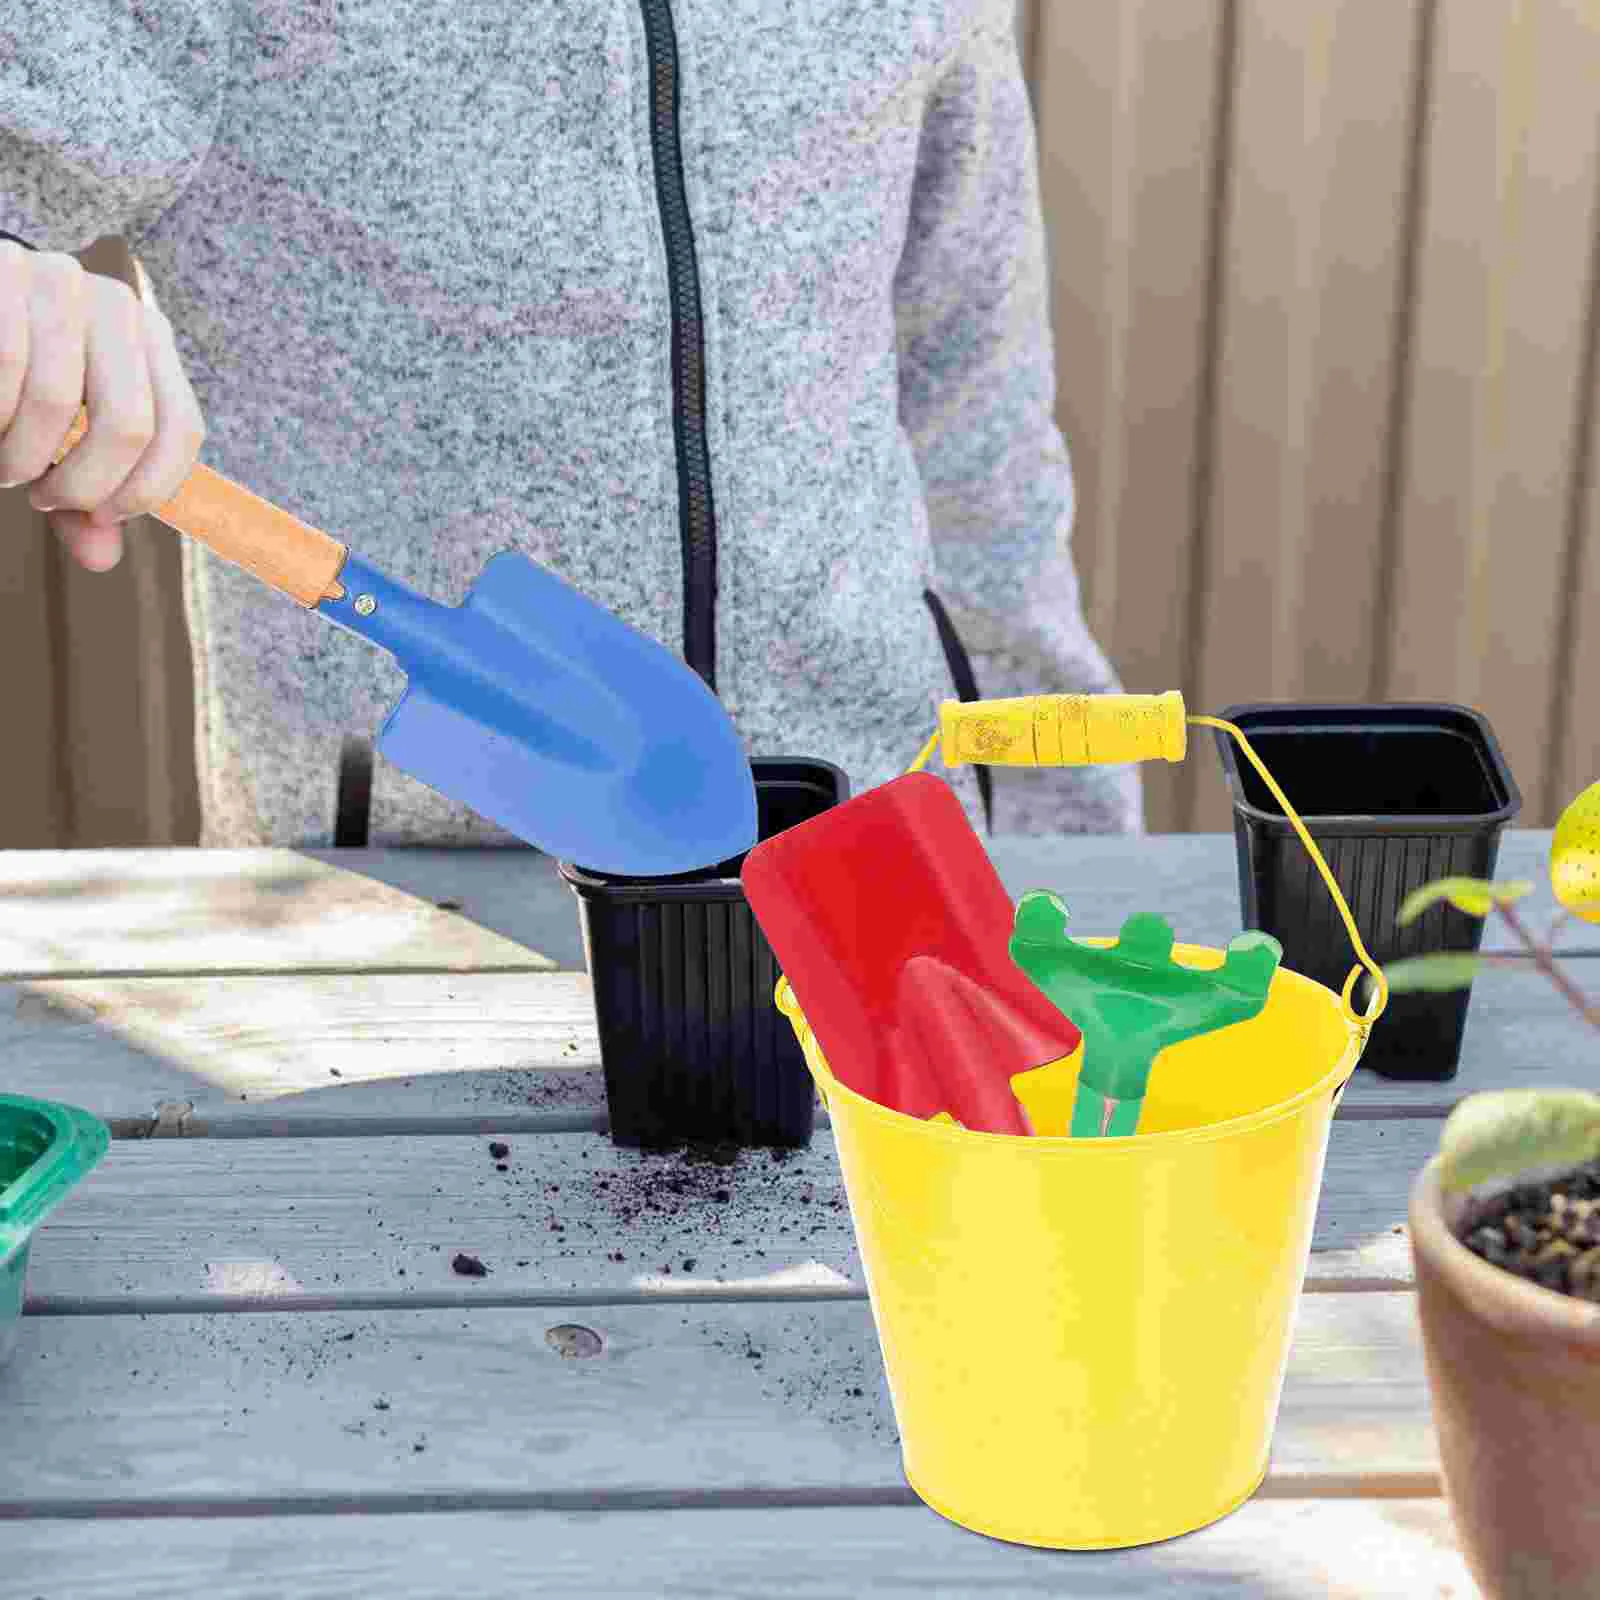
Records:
x=1434, y=974
x=1475, y=896
x=1509, y=1132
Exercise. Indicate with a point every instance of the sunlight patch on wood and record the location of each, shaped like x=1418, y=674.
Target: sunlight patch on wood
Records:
x=251, y=1278
x=225, y=910
x=805, y=1275
x=266, y=1038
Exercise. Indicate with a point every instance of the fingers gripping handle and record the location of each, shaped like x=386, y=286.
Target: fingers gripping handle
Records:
x=289, y=555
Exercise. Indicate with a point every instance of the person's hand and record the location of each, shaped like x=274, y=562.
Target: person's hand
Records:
x=70, y=337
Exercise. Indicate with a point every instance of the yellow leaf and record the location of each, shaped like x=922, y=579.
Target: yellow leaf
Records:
x=1575, y=856
x=1474, y=896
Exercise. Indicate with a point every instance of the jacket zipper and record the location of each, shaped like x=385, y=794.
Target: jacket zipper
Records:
x=696, y=511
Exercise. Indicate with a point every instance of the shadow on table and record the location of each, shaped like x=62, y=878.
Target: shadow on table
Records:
x=515, y=893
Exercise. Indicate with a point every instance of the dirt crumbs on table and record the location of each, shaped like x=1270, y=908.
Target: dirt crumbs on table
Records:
x=468, y=1266
x=1548, y=1233
x=825, y=1364
x=546, y=1089
x=315, y=1367
x=745, y=1213
x=718, y=1212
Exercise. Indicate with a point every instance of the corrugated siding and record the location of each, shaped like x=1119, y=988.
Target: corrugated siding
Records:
x=1325, y=306
x=1324, y=296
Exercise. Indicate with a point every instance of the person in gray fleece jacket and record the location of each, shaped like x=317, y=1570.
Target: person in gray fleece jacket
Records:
x=733, y=313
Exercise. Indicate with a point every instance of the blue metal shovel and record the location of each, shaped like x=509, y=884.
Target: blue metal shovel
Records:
x=528, y=702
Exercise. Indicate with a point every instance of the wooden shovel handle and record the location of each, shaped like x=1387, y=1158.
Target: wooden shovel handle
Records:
x=300, y=561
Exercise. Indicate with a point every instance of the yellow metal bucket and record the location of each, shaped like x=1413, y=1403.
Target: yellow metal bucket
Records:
x=1085, y=1339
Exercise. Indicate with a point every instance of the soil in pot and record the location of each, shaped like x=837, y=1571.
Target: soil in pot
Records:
x=1547, y=1232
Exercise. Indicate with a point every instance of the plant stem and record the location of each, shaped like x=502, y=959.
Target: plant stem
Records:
x=1545, y=962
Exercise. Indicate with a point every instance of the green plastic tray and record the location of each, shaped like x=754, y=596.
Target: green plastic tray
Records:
x=45, y=1151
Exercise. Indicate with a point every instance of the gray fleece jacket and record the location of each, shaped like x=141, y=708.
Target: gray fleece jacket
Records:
x=731, y=312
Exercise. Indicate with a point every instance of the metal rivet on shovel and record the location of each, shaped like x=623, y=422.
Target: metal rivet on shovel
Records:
x=365, y=605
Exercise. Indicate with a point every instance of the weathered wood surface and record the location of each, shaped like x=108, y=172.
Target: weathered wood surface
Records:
x=187, y=911
x=64, y=913
x=270, y=1052
x=206, y=1220
x=220, y=1061
x=217, y=1039
x=1271, y=1548
x=116, y=1411
x=214, y=1321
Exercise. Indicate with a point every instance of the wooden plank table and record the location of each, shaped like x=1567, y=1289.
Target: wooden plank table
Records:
x=244, y=1328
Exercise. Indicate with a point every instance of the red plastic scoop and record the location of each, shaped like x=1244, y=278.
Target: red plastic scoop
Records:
x=893, y=929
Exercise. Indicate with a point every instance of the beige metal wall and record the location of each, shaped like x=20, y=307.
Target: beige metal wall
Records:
x=1325, y=302
x=1325, y=305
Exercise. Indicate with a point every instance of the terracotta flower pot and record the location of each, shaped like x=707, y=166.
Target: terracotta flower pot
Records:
x=1515, y=1374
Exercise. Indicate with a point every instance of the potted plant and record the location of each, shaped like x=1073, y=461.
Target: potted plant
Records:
x=1505, y=1232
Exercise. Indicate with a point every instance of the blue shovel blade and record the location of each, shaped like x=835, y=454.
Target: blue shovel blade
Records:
x=548, y=715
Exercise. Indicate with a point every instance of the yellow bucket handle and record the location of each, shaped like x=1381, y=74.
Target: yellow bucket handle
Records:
x=1380, y=996
x=1142, y=734
x=784, y=997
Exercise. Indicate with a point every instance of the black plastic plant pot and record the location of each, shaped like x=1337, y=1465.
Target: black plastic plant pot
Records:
x=693, y=1048
x=1395, y=796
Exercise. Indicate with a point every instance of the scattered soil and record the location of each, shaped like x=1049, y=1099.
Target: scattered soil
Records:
x=664, y=1199
x=703, y=1155
x=714, y=1212
x=498, y=1151
x=547, y=1088
x=828, y=1368
x=1548, y=1233
x=701, y=1212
